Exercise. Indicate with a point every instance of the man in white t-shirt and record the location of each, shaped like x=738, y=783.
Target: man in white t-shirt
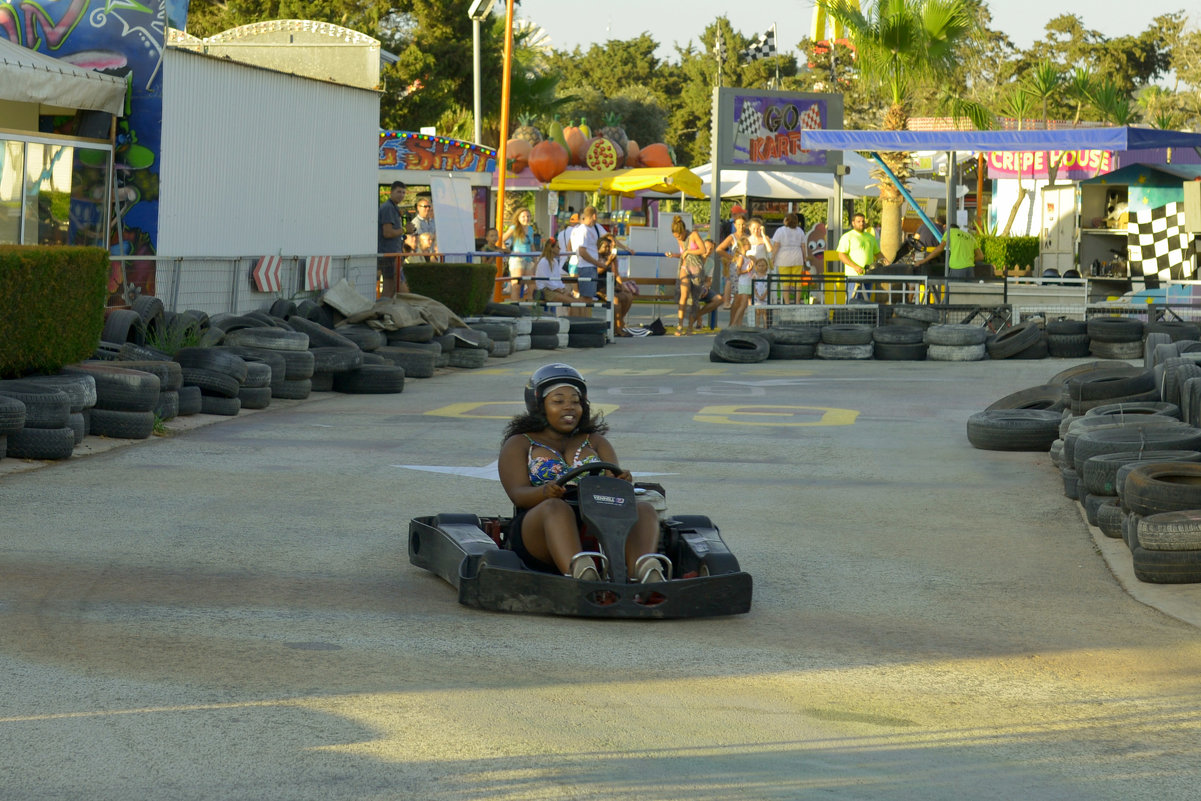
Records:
x=584, y=262
x=564, y=240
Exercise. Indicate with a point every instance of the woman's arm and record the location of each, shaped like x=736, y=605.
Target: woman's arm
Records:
x=515, y=476
x=606, y=452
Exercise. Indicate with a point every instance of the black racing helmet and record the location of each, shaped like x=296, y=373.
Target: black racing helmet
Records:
x=548, y=376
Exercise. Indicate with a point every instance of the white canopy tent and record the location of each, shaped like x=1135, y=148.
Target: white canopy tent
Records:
x=27, y=76
x=811, y=186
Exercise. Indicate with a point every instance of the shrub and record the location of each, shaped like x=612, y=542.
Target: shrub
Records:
x=1007, y=252
x=463, y=288
x=51, y=306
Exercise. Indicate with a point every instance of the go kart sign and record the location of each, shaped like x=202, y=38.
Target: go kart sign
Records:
x=761, y=129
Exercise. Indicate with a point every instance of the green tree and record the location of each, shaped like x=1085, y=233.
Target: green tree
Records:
x=901, y=45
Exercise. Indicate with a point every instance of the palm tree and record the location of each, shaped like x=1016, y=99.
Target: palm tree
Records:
x=1043, y=83
x=1112, y=103
x=1079, y=88
x=899, y=45
x=1018, y=104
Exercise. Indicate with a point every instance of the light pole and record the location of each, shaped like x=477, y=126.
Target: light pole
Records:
x=479, y=11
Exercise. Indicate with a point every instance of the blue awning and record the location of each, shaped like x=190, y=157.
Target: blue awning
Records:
x=1114, y=139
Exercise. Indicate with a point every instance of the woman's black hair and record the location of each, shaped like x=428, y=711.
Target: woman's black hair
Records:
x=530, y=423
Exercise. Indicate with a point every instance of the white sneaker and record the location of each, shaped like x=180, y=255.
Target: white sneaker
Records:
x=583, y=567
x=652, y=568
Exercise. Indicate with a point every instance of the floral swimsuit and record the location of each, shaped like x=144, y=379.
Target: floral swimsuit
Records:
x=547, y=469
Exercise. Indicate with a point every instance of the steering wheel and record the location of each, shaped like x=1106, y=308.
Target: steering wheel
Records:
x=590, y=469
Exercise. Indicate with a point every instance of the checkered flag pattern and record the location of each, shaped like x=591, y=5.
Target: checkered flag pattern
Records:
x=1159, y=244
x=750, y=126
x=763, y=47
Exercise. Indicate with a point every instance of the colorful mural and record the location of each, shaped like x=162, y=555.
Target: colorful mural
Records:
x=124, y=38
x=404, y=150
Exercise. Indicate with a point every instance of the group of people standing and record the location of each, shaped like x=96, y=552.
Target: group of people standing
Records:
x=403, y=237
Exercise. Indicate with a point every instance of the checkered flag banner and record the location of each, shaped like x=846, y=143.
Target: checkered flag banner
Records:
x=750, y=126
x=763, y=47
x=1160, y=245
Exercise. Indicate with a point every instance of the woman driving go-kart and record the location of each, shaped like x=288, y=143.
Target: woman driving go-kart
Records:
x=557, y=437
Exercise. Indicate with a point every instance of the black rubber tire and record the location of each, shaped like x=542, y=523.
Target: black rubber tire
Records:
x=269, y=338
x=336, y=360
x=78, y=424
x=219, y=405
x=233, y=322
x=544, y=341
x=41, y=443
x=1171, y=531
x=741, y=348
x=1115, y=329
x=219, y=360
x=1013, y=429
x=1163, y=487
x=543, y=327
x=1166, y=567
x=292, y=389
x=1092, y=503
x=795, y=334
x=470, y=338
x=955, y=335
x=1088, y=368
x=1071, y=483
x=499, y=332
x=1134, y=409
x=364, y=336
x=320, y=336
x=80, y=388
x=900, y=352
x=374, y=358
x=468, y=358
x=151, y=311
x=956, y=353
x=1064, y=327
x=422, y=332
x=12, y=414
x=1152, y=436
x=1109, y=518
x=121, y=425
x=167, y=407
x=780, y=350
x=417, y=363
x=371, y=380
x=830, y=352
x=322, y=382
x=898, y=335
x=1176, y=330
x=1044, y=396
x=123, y=325
x=846, y=334
x=258, y=375
x=1012, y=341
x=282, y=308
x=1173, y=378
x=121, y=389
x=211, y=382
x=169, y=374
x=189, y=401
x=926, y=314
x=131, y=352
x=1158, y=346
x=272, y=358
x=254, y=397
x=1116, y=350
x=1036, y=351
x=1110, y=385
x=1068, y=346
x=582, y=324
x=504, y=310
x=586, y=339
x=324, y=315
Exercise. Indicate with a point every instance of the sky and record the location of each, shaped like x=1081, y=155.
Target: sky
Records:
x=578, y=23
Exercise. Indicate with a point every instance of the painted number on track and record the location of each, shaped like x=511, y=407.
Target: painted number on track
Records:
x=792, y=416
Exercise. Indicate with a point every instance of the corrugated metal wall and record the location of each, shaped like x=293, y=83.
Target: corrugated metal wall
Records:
x=256, y=162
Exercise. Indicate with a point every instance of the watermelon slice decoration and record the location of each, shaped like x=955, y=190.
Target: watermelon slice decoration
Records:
x=601, y=155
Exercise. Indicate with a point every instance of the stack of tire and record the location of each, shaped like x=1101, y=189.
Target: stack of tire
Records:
x=170, y=379
x=843, y=341
x=1115, y=337
x=417, y=350
x=583, y=332
x=1023, y=341
x=125, y=399
x=740, y=345
x=1131, y=459
x=956, y=342
x=219, y=373
x=37, y=421
x=291, y=367
x=522, y=321
x=1067, y=339
x=471, y=348
x=500, y=334
x=899, y=342
x=549, y=333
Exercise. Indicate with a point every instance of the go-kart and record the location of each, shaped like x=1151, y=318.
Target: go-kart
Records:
x=470, y=553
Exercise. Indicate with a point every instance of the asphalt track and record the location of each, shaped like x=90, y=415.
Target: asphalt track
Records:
x=229, y=613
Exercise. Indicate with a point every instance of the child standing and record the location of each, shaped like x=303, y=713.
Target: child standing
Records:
x=760, y=291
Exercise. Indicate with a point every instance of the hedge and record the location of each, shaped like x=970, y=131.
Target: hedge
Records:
x=51, y=306
x=1010, y=251
x=463, y=288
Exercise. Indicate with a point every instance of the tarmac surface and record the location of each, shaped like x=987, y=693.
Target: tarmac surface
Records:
x=228, y=612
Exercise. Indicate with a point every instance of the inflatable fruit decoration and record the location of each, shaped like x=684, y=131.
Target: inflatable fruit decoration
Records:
x=656, y=155
x=547, y=160
x=615, y=133
x=601, y=155
x=517, y=153
x=633, y=154
x=584, y=129
x=526, y=130
x=554, y=132
x=577, y=143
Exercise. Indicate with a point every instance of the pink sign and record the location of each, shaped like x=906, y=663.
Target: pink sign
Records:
x=1074, y=165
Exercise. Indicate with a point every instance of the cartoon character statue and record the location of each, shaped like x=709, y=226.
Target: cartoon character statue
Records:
x=817, y=249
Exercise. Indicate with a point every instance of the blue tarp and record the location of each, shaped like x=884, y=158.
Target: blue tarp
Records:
x=1115, y=139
